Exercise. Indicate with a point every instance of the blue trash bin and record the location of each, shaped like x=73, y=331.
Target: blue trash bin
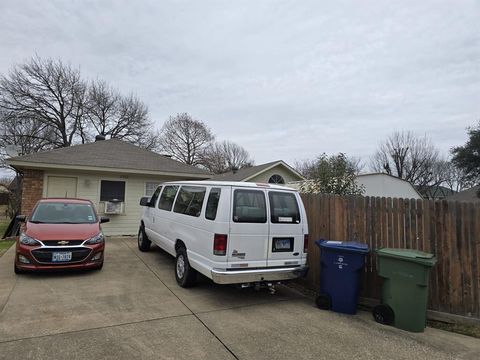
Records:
x=341, y=264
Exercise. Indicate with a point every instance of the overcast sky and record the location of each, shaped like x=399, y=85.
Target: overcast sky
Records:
x=285, y=79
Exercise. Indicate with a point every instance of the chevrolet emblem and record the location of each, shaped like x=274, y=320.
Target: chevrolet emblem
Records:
x=63, y=242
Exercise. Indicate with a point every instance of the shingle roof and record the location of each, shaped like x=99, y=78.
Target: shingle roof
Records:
x=245, y=173
x=113, y=154
x=466, y=195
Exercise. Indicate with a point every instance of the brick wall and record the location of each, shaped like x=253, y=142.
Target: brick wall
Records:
x=32, y=189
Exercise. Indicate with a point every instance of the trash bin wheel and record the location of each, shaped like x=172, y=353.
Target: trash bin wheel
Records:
x=323, y=301
x=383, y=314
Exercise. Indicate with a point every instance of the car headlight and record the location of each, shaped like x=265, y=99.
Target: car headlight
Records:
x=97, y=239
x=27, y=240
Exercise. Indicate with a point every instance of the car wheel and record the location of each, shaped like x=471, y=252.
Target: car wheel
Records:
x=323, y=301
x=185, y=275
x=99, y=267
x=383, y=314
x=143, y=242
x=17, y=270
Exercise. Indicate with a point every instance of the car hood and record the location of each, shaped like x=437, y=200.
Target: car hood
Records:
x=62, y=231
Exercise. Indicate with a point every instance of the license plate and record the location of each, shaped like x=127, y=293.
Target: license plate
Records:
x=61, y=256
x=282, y=244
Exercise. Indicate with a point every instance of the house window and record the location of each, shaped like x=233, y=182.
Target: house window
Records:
x=112, y=190
x=276, y=179
x=150, y=187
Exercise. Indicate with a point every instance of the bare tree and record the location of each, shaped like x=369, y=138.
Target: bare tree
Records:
x=224, y=156
x=408, y=157
x=185, y=139
x=49, y=92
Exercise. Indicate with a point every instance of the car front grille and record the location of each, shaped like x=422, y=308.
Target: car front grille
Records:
x=62, y=242
x=44, y=255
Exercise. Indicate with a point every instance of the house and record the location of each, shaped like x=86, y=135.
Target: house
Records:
x=384, y=185
x=276, y=172
x=113, y=174
x=471, y=195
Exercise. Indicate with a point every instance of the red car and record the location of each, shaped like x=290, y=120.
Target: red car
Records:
x=60, y=234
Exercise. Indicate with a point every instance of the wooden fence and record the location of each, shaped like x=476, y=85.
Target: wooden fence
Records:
x=450, y=230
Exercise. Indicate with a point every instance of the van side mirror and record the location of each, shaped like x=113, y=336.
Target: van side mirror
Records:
x=21, y=218
x=104, y=219
x=144, y=201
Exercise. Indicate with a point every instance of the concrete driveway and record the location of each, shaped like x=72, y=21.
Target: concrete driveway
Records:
x=133, y=309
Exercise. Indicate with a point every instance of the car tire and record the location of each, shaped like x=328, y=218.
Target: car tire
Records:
x=143, y=242
x=100, y=267
x=17, y=270
x=185, y=275
x=383, y=314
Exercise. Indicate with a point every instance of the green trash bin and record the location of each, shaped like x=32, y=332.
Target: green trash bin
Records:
x=405, y=276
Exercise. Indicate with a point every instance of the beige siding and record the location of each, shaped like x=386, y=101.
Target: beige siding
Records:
x=88, y=187
x=287, y=175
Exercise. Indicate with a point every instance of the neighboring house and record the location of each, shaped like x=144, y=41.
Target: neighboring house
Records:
x=113, y=174
x=471, y=194
x=276, y=172
x=384, y=185
x=436, y=192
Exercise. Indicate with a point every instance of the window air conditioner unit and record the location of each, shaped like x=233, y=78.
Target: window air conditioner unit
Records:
x=113, y=207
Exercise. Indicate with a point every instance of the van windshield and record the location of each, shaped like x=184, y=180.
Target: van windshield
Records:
x=63, y=213
x=283, y=208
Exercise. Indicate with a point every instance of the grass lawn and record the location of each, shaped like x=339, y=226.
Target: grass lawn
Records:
x=3, y=227
x=4, y=244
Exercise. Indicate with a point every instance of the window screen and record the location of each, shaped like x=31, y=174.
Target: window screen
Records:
x=190, y=200
x=212, y=204
x=283, y=208
x=112, y=190
x=167, y=197
x=249, y=206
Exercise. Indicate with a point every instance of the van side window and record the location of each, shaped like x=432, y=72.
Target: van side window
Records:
x=249, y=206
x=167, y=197
x=190, y=200
x=154, y=198
x=283, y=208
x=212, y=204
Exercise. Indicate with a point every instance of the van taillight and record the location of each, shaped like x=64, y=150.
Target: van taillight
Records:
x=220, y=244
x=305, y=243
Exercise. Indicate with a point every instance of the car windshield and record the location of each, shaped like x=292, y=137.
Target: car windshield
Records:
x=63, y=213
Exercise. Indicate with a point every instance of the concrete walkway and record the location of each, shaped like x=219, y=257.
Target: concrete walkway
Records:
x=133, y=309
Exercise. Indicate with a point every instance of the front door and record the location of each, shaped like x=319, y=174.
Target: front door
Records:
x=61, y=187
x=248, y=240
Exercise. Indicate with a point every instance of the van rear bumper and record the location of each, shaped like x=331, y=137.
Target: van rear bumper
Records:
x=255, y=275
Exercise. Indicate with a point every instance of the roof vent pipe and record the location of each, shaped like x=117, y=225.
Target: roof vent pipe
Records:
x=234, y=169
x=99, y=138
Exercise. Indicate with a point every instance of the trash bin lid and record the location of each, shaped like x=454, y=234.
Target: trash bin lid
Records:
x=343, y=245
x=409, y=255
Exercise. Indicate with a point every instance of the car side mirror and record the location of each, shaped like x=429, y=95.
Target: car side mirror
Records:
x=104, y=219
x=144, y=201
x=21, y=218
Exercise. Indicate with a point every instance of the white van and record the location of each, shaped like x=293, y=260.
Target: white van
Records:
x=231, y=232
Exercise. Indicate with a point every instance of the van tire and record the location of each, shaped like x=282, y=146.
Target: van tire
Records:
x=143, y=242
x=185, y=275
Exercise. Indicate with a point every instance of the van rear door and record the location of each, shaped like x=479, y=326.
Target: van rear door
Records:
x=285, y=241
x=248, y=239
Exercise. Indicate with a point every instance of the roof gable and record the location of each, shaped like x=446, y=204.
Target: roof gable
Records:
x=107, y=154
x=245, y=174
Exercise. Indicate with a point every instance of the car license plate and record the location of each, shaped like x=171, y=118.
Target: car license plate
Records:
x=282, y=244
x=61, y=256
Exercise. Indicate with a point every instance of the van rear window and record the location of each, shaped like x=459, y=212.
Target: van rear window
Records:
x=283, y=208
x=190, y=200
x=249, y=206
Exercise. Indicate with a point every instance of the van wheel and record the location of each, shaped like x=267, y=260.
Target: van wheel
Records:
x=185, y=275
x=143, y=242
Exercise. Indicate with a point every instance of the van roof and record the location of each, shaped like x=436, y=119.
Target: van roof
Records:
x=232, y=183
